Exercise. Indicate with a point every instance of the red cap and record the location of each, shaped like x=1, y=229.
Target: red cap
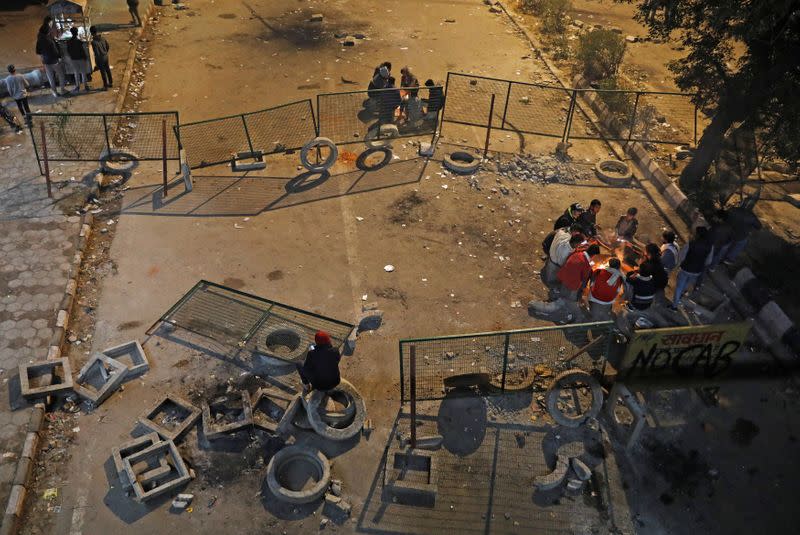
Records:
x=322, y=338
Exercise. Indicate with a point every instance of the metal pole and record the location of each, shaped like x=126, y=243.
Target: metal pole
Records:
x=35, y=148
x=46, y=163
x=247, y=134
x=444, y=104
x=505, y=364
x=633, y=118
x=570, y=113
x=105, y=130
x=489, y=128
x=413, y=366
x=164, y=153
x=695, y=126
x=505, y=108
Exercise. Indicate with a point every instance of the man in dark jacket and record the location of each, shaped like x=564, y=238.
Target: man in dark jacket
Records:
x=588, y=219
x=321, y=367
x=695, y=256
x=133, y=9
x=101, y=47
x=79, y=60
x=435, y=100
x=569, y=216
x=642, y=288
x=390, y=102
x=48, y=51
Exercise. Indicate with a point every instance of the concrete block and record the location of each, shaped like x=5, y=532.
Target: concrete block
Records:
x=16, y=501
x=268, y=408
x=170, y=418
x=411, y=478
x=433, y=442
x=45, y=378
x=675, y=197
x=426, y=149
x=774, y=319
x=132, y=355
x=24, y=471
x=10, y=525
x=179, y=474
x=36, y=420
x=237, y=166
x=129, y=448
x=285, y=425
x=156, y=474
x=99, y=378
x=227, y=415
x=335, y=507
x=316, y=17
x=30, y=446
x=583, y=472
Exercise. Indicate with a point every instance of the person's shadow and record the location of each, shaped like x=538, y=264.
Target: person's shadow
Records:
x=462, y=421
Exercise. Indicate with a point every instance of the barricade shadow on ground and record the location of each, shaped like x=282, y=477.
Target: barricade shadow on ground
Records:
x=485, y=483
x=249, y=195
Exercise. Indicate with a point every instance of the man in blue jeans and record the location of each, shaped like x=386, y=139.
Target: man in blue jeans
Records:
x=695, y=255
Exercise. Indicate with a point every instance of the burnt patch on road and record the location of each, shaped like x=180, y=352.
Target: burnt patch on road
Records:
x=743, y=432
x=683, y=471
x=404, y=210
x=296, y=28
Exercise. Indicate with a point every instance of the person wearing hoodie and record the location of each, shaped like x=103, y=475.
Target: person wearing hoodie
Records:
x=320, y=371
x=569, y=217
x=48, y=51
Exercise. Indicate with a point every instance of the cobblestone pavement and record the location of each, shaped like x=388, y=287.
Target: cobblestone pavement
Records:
x=38, y=233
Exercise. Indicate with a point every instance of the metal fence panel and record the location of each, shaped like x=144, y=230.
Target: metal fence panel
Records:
x=213, y=141
x=356, y=116
x=537, y=109
x=86, y=136
x=665, y=118
x=509, y=358
x=469, y=99
x=285, y=127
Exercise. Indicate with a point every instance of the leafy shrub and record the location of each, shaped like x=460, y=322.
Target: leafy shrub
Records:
x=600, y=53
x=551, y=12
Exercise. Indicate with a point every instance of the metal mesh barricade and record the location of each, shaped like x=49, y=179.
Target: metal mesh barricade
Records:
x=87, y=136
x=356, y=116
x=665, y=118
x=500, y=361
x=240, y=320
x=537, y=109
x=469, y=99
x=214, y=141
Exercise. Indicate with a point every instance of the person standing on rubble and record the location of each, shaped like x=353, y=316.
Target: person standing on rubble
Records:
x=320, y=371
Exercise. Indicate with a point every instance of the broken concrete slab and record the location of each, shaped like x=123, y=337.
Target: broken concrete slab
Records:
x=179, y=474
x=583, y=472
x=426, y=149
x=129, y=448
x=433, y=442
x=227, y=415
x=555, y=478
x=411, y=478
x=170, y=418
x=237, y=166
x=132, y=355
x=335, y=507
x=286, y=424
x=99, y=378
x=268, y=409
x=45, y=378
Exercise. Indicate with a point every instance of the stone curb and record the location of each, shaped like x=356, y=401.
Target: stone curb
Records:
x=24, y=470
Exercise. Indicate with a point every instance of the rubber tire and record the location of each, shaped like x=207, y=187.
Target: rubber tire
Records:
x=294, y=356
x=459, y=166
x=312, y=145
x=344, y=418
x=288, y=454
x=553, y=394
x=612, y=178
x=112, y=168
x=335, y=433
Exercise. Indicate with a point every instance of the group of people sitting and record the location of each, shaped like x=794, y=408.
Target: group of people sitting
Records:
x=575, y=270
x=402, y=105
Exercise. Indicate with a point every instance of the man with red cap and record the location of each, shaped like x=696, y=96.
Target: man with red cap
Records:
x=321, y=368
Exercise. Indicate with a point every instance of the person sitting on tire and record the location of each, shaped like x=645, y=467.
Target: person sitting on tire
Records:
x=320, y=371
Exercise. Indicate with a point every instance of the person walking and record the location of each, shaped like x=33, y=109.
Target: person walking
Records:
x=101, y=47
x=133, y=9
x=48, y=51
x=17, y=87
x=78, y=60
x=9, y=117
x=320, y=371
x=695, y=256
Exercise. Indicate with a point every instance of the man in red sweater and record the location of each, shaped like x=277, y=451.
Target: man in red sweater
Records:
x=574, y=274
x=605, y=287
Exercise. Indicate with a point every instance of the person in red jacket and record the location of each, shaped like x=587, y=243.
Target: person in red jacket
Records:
x=605, y=287
x=575, y=272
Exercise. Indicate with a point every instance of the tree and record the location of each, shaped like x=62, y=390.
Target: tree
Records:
x=743, y=62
